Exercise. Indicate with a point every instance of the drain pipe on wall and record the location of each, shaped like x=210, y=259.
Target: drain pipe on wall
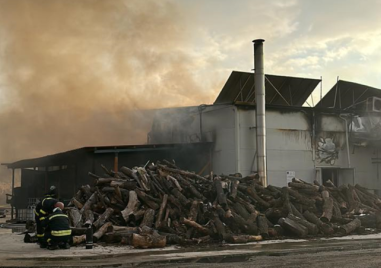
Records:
x=259, y=76
x=346, y=140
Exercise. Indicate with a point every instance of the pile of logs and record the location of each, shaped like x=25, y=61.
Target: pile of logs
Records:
x=161, y=204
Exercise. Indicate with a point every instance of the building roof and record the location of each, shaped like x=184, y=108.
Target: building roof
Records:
x=73, y=156
x=345, y=95
x=280, y=90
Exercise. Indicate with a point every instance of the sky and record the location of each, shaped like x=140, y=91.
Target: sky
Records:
x=76, y=73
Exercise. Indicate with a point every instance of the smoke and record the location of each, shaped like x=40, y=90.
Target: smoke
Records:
x=80, y=73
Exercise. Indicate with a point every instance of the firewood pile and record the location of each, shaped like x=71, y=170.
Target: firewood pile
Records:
x=161, y=204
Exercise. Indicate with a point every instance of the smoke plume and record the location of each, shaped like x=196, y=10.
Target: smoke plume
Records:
x=81, y=73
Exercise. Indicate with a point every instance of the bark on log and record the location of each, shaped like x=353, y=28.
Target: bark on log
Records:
x=75, y=217
x=88, y=217
x=240, y=239
x=253, y=193
x=148, y=218
x=78, y=231
x=294, y=227
x=263, y=228
x=132, y=206
x=193, y=211
x=182, y=199
x=221, y=196
x=234, y=189
x=76, y=203
x=327, y=207
x=92, y=200
x=79, y=239
x=325, y=228
x=148, y=241
x=86, y=190
x=312, y=228
x=350, y=227
x=148, y=200
x=195, y=225
x=107, y=227
x=159, y=217
x=129, y=185
x=103, y=218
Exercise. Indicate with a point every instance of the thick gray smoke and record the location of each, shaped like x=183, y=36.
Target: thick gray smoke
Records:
x=80, y=73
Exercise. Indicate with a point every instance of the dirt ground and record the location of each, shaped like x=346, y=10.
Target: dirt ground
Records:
x=358, y=259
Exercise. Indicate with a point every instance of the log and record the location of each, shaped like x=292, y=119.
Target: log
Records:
x=76, y=203
x=128, y=185
x=78, y=231
x=221, y=232
x=312, y=228
x=159, y=217
x=293, y=227
x=175, y=182
x=148, y=241
x=246, y=226
x=303, y=186
x=79, y=239
x=148, y=200
x=301, y=198
x=234, y=189
x=184, y=173
x=92, y=200
x=86, y=190
x=327, y=207
x=253, y=193
x=107, y=227
x=103, y=218
x=182, y=199
x=193, y=211
x=325, y=228
x=125, y=229
x=195, y=225
x=240, y=239
x=148, y=218
x=115, y=237
x=75, y=217
x=263, y=228
x=350, y=227
x=241, y=210
x=132, y=206
x=221, y=196
x=88, y=217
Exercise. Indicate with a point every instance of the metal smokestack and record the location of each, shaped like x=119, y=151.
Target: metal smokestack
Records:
x=259, y=76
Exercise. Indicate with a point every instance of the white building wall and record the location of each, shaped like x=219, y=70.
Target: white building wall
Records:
x=219, y=126
x=288, y=145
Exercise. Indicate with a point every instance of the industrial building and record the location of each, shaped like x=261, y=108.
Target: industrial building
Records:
x=337, y=139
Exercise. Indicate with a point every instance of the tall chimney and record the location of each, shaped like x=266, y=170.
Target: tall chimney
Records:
x=259, y=76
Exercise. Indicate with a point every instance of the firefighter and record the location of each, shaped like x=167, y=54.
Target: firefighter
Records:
x=58, y=232
x=41, y=212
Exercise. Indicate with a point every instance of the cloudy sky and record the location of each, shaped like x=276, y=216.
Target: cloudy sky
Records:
x=79, y=72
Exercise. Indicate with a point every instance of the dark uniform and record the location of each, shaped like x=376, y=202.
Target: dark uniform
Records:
x=58, y=232
x=41, y=212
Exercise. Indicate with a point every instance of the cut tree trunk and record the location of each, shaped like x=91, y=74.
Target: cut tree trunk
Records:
x=148, y=241
x=327, y=207
x=159, y=217
x=350, y=227
x=293, y=227
x=132, y=207
x=103, y=218
x=148, y=218
x=263, y=227
x=107, y=227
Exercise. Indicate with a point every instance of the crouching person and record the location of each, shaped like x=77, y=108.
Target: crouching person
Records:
x=58, y=232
